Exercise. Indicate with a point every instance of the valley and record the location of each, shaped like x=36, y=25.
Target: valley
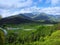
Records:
x=24, y=30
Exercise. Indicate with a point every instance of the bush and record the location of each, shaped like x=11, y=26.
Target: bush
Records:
x=53, y=42
x=54, y=39
x=12, y=38
x=57, y=26
x=55, y=35
x=2, y=38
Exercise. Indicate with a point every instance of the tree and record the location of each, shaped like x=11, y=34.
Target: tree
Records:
x=2, y=38
x=57, y=26
x=0, y=16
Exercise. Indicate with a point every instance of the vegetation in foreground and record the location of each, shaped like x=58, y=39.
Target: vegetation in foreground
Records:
x=39, y=35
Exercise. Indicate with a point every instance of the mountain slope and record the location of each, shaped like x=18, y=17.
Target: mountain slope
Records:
x=20, y=18
x=26, y=18
x=47, y=17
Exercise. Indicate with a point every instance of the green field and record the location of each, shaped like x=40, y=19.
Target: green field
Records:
x=32, y=34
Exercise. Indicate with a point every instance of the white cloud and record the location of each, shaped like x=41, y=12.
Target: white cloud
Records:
x=5, y=13
x=48, y=10
x=15, y=3
x=9, y=7
x=51, y=10
x=29, y=10
x=55, y=2
x=52, y=2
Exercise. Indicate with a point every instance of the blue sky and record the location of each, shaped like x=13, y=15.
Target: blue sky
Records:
x=12, y=7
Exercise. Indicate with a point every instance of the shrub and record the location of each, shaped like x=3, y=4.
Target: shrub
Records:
x=2, y=38
x=55, y=35
x=57, y=26
x=12, y=38
x=54, y=39
x=53, y=42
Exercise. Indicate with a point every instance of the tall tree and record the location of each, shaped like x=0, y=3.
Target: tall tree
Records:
x=0, y=16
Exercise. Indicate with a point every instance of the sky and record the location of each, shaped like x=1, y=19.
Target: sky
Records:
x=13, y=7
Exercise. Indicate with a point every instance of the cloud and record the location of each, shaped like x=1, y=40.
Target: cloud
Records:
x=9, y=7
x=35, y=9
x=5, y=13
x=30, y=9
x=52, y=2
x=55, y=2
x=51, y=10
x=9, y=4
x=12, y=7
x=48, y=10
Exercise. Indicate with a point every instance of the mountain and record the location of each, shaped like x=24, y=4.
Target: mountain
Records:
x=29, y=18
x=29, y=14
x=41, y=16
x=20, y=18
x=47, y=17
x=57, y=17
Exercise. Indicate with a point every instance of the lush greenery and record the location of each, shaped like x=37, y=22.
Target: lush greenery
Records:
x=2, y=38
x=32, y=34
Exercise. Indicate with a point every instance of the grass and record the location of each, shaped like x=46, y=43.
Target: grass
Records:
x=39, y=35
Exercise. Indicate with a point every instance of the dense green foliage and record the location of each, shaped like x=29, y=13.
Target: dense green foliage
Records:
x=33, y=34
x=2, y=38
x=54, y=39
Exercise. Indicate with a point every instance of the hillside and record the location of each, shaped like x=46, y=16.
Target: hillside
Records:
x=20, y=18
x=47, y=17
x=30, y=17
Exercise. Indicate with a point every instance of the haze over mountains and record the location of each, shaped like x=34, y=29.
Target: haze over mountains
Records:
x=41, y=16
x=30, y=17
